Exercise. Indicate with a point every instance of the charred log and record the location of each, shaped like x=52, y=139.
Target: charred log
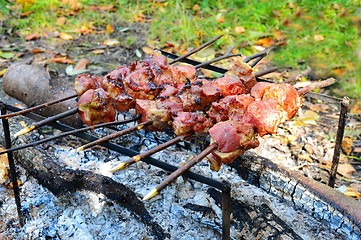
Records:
x=326, y=204
x=61, y=180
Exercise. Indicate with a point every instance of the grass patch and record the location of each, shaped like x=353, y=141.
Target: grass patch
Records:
x=323, y=34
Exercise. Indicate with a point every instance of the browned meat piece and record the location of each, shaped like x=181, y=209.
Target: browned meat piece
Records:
x=286, y=96
x=152, y=75
x=199, y=95
x=140, y=85
x=188, y=71
x=232, y=106
x=233, y=139
x=230, y=85
x=155, y=59
x=258, y=90
x=113, y=84
x=159, y=111
x=170, y=91
x=84, y=82
x=245, y=73
x=265, y=115
x=95, y=107
x=191, y=122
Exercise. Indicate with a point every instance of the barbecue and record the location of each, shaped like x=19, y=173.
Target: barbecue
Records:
x=166, y=96
x=233, y=112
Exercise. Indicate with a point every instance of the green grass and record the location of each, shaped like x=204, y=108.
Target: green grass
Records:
x=189, y=23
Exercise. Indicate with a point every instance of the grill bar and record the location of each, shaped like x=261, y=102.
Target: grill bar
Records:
x=13, y=174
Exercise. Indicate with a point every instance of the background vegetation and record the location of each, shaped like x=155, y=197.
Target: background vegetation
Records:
x=322, y=34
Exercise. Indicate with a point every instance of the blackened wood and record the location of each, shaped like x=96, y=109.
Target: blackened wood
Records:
x=338, y=145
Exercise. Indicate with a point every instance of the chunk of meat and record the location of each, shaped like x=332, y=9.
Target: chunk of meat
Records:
x=233, y=139
x=286, y=96
x=95, y=107
x=230, y=85
x=232, y=106
x=188, y=71
x=265, y=115
x=199, y=95
x=244, y=72
x=191, y=122
x=84, y=82
x=259, y=89
x=160, y=111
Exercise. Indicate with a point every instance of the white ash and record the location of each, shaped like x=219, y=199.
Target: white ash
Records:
x=86, y=215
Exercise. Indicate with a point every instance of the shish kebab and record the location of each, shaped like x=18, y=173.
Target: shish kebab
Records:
x=234, y=109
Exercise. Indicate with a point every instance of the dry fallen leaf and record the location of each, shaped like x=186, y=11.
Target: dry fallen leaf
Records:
x=32, y=36
x=147, y=50
x=102, y=8
x=219, y=18
x=347, y=145
x=110, y=29
x=266, y=42
x=65, y=36
x=60, y=21
x=11, y=184
x=239, y=29
x=98, y=51
x=111, y=42
x=352, y=193
x=37, y=51
x=85, y=29
x=305, y=157
x=81, y=65
x=25, y=14
x=2, y=72
x=319, y=107
x=345, y=169
x=318, y=38
x=62, y=60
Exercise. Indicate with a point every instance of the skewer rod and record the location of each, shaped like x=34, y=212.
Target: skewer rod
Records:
x=37, y=107
x=196, y=49
x=173, y=176
x=68, y=133
x=46, y=121
x=150, y=152
x=115, y=135
x=13, y=174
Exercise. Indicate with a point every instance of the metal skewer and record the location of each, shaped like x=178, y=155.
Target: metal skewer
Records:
x=196, y=49
x=69, y=133
x=298, y=76
x=38, y=107
x=316, y=85
x=46, y=121
x=148, y=153
x=266, y=71
x=173, y=176
x=114, y=135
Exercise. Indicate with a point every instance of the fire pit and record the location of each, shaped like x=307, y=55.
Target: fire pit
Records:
x=255, y=174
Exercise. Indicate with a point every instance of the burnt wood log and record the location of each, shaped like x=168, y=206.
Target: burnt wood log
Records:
x=340, y=212
x=33, y=85
x=61, y=180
